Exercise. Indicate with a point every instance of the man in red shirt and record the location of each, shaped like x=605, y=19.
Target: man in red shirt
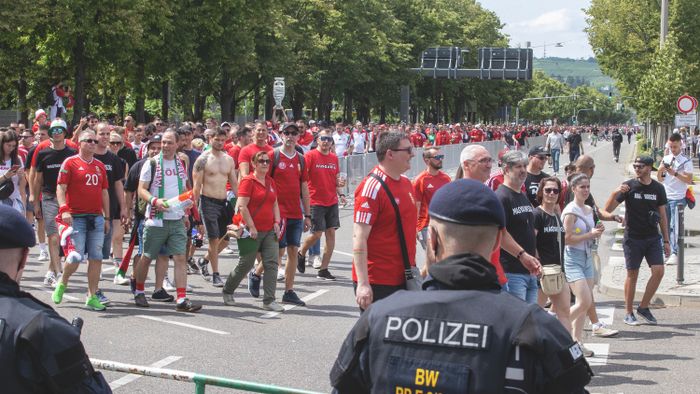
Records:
x=417, y=138
x=325, y=185
x=378, y=266
x=243, y=139
x=306, y=136
x=260, y=143
x=442, y=137
x=84, y=203
x=476, y=135
x=425, y=185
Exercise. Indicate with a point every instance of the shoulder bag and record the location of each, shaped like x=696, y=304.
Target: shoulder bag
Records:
x=552, y=280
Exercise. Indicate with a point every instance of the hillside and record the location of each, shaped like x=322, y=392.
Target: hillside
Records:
x=574, y=71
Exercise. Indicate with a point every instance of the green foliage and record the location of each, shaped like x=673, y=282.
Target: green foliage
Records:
x=578, y=71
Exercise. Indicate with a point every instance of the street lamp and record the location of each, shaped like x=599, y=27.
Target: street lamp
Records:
x=544, y=47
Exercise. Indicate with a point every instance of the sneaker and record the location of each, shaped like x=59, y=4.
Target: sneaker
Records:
x=216, y=280
x=43, y=255
x=645, y=313
x=120, y=280
x=93, y=302
x=57, y=295
x=311, y=259
x=204, y=268
x=672, y=259
x=301, y=262
x=325, y=274
x=192, y=267
x=162, y=296
x=187, y=306
x=273, y=306
x=50, y=279
x=227, y=250
x=254, y=284
x=601, y=330
x=228, y=299
x=140, y=300
x=586, y=351
x=317, y=262
x=630, y=320
x=101, y=297
x=188, y=288
x=168, y=285
x=280, y=276
x=290, y=297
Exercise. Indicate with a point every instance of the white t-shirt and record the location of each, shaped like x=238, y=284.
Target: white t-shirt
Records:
x=583, y=224
x=341, y=143
x=359, y=142
x=4, y=168
x=675, y=188
x=171, y=187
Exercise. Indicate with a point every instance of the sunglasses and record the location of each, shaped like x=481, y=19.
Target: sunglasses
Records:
x=438, y=157
x=638, y=166
x=325, y=138
x=115, y=143
x=292, y=133
x=89, y=141
x=551, y=190
x=264, y=161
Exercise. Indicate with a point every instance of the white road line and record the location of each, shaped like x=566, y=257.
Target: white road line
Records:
x=288, y=307
x=600, y=353
x=177, y=323
x=112, y=269
x=45, y=290
x=343, y=253
x=131, y=377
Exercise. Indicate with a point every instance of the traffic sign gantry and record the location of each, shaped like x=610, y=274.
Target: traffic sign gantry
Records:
x=686, y=104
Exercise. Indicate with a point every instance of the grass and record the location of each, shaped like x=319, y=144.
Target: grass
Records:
x=575, y=68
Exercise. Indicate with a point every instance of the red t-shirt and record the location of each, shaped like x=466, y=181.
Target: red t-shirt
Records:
x=85, y=182
x=262, y=199
x=322, y=171
x=247, y=153
x=234, y=152
x=496, y=262
x=22, y=152
x=372, y=206
x=417, y=139
x=47, y=144
x=306, y=139
x=424, y=186
x=442, y=138
x=287, y=177
x=456, y=137
x=476, y=135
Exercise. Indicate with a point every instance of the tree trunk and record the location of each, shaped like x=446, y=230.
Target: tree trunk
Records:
x=297, y=102
x=199, y=103
x=22, y=101
x=382, y=114
x=348, y=106
x=225, y=96
x=121, y=102
x=139, y=92
x=187, y=113
x=269, y=102
x=165, y=100
x=80, y=71
x=256, y=102
x=324, y=104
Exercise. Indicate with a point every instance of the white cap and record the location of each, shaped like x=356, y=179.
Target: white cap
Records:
x=38, y=113
x=58, y=122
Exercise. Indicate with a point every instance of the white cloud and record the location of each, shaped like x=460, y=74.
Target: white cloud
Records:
x=552, y=21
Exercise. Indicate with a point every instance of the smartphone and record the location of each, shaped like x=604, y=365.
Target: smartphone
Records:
x=15, y=167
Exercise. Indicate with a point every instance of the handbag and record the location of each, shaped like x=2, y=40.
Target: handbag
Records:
x=7, y=187
x=552, y=280
x=414, y=281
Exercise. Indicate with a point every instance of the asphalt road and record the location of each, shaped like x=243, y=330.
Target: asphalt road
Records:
x=297, y=348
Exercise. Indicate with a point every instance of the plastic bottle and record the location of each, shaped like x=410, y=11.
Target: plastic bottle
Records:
x=180, y=203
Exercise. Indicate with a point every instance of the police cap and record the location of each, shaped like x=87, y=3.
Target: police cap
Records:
x=467, y=202
x=15, y=231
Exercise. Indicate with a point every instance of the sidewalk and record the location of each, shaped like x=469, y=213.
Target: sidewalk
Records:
x=670, y=292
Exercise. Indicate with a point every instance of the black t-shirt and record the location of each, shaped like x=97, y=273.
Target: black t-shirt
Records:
x=115, y=172
x=520, y=225
x=48, y=162
x=508, y=136
x=132, y=183
x=575, y=141
x=30, y=155
x=532, y=185
x=128, y=155
x=550, y=235
x=642, y=204
x=192, y=155
x=616, y=137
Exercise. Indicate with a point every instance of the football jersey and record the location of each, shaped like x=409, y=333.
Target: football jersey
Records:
x=85, y=182
x=288, y=176
x=322, y=173
x=424, y=186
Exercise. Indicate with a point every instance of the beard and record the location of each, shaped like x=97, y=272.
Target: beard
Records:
x=436, y=166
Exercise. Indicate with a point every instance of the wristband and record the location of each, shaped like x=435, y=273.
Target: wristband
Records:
x=520, y=254
x=307, y=216
x=153, y=201
x=341, y=195
x=666, y=242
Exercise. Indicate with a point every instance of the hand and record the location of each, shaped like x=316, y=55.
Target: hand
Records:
x=160, y=205
x=623, y=188
x=10, y=173
x=343, y=201
x=363, y=295
x=531, y=263
x=127, y=224
x=67, y=218
x=276, y=228
x=253, y=232
x=123, y=216
x=187, y=221
x=233, y=231
x=667, y=249
x=618, y=218
x=597, y=231
x=107, y=225
x=307, y=224
x=200, y=228
x=341, y=182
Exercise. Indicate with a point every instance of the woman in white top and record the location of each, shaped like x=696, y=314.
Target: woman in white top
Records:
x=580, y=232
x=12, y=170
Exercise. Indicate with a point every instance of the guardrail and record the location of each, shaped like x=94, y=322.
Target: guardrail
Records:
x=200, y=381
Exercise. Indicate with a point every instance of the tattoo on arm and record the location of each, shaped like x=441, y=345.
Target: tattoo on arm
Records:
x=201, y=162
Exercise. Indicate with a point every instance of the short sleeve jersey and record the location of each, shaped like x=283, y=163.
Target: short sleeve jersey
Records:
x=247, y=153
x=520, y=224
x=46, y=144
x=675, y=188
x=288, y=177
x=234, y=152
x=48, y=163
x=84, y=184
x=639, y=202
x=261, y=200
x=550, y=237
x=424, y=187
x=322, y=172
x=373, y=207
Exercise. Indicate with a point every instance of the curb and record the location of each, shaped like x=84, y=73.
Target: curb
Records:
x=660, y=299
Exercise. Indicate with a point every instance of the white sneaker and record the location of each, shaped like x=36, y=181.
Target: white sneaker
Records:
x=317, y=262
x=227, y=250
x=168, y=285
x=601, y=330
x=50, y=279
x=280, y=276
x=121, y=280
x=273, y=306
x=43, y=255
x=672, y=259
x=310, y=260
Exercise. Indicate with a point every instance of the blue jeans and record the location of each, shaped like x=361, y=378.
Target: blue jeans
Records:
x=672, y=215
x=555, y=159
x=523, y=286
x=315, y=249
x=88, y=236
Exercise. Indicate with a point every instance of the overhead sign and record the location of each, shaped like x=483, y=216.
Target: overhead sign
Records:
x=686, y=120
x=686, y=104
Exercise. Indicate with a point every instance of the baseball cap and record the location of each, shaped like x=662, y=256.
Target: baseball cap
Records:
x=225, y=124
x=56, y=125
x=156, y=138
x=290, y=126
x=538, y=150
x=467, y=202
x=38, y=113
x=15, y=231
x=646, y=160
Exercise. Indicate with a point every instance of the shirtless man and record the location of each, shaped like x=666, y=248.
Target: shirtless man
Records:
x=211, y=171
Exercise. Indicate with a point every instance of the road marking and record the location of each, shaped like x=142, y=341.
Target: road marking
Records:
x=288, y=307
x=343, y=253
x=131, y=377
x=600, y=353
x=177, y=323
x=112, y=268
x=45, y=290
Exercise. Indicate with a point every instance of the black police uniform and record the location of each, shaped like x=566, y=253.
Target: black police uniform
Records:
x=467, y=336
x=40, y=352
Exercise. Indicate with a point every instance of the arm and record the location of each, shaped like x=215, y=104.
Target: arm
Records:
x=570, y=236
x=306, y=204
x=243, y=168
x=663, y=222
x=146, y=195
x=242, y=207
x=22, y=185
x=360, y=234
x=105, y=207
x=276, y=221
x=232, y=177
x=198, y=175
x=61, y=199
x=514, y=249
x=612, y=202
x=685, y=177
x=119, y=191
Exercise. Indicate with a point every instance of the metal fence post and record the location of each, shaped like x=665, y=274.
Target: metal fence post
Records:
x=680, y=243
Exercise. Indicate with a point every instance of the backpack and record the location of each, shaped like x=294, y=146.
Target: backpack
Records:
x=276, y=161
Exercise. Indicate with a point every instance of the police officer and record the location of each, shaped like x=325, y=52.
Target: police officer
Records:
x=466, y=335
x=40, y=352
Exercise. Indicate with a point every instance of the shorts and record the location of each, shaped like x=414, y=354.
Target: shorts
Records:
x=173, y=234
x=216, y=215
x=49, y=210
x=635, y=250
x=578, y=264
x=139, y=240
x=88, y=236
x=292, y=233
x=28, y=207
x=324, y=218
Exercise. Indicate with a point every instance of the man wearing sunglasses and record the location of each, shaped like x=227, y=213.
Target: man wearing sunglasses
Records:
x=424, y=187
x=535, y=163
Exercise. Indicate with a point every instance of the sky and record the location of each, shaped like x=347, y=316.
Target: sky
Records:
x=544, y=23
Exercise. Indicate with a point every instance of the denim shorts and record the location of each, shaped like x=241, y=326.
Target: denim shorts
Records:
x=578, y=264
x=292, y=233
x=523, y=286
x=88, y=236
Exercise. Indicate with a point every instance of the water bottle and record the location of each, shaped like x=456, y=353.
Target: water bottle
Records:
x=178, y=204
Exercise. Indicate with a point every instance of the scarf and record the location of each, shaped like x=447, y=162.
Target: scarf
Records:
x=159, y=181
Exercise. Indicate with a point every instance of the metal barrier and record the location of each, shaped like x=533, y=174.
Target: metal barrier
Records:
x=200, y=381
